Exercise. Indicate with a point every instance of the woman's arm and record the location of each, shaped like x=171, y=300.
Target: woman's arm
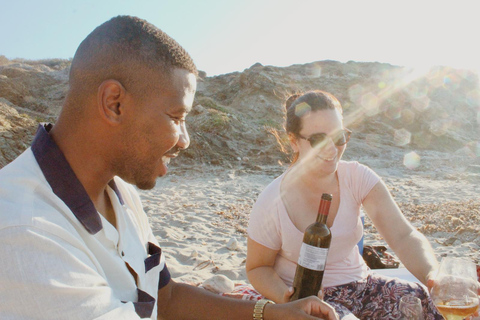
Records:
x=410, y=245
x=260, y=273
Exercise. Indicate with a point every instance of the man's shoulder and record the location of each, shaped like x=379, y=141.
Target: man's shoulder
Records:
x=18, y=179
x=24, y=164
x=26, y=199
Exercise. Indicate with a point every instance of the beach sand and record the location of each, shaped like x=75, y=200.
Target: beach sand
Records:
x=199, y=214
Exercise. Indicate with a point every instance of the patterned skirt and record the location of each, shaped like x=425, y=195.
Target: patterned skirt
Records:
x=375, y=297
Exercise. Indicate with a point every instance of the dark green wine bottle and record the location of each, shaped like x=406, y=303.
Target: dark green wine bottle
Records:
x=313, y=254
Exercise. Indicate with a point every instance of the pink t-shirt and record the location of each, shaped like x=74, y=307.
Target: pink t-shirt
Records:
x=271, y=227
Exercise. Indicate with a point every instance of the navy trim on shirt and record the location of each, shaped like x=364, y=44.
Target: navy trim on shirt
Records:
x=69, y=189
x=153, y=259
x=117, y=192
x=155, y=252
x=63, y=180
x=165, y=277
x=144, y=306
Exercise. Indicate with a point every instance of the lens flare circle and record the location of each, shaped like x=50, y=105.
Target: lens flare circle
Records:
x=302, y=109
x=402, y=137
x=411, y=160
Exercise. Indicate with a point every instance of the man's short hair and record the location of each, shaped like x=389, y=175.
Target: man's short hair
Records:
x=121, y=48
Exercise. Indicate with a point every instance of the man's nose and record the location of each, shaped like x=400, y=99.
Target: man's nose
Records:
x=183, y=139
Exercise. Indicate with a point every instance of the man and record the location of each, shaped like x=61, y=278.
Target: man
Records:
x=74, y=240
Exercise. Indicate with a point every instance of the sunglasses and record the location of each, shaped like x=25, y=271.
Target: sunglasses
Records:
x=339, y=139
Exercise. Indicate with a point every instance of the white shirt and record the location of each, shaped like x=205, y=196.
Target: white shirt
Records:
x=59, y=258
x=270, y=225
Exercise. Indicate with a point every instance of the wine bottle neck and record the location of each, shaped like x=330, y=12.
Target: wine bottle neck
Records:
x=323, y=210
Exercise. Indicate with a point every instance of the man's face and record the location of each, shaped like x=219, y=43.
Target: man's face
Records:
x=156, y=130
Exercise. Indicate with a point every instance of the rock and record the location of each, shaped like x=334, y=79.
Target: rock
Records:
x=256, y=65
x=218, y=284
x=475, y=168
x=198, y=109
x=231, y=111
x=450, y=241
x=232, y=244
x=16, y=132
x=22, y=80
x=202, y=74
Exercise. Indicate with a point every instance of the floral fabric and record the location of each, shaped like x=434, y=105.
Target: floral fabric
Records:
x=377, y=297
x=244, y=292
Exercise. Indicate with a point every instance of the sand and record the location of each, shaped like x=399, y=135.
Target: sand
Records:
x=200, y=214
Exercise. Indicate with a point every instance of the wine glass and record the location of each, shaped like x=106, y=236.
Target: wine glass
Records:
x=455, y=289
x=411, y=308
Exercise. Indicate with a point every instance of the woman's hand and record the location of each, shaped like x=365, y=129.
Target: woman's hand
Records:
x=287, y=295
x=289, y=292
x=431, y=279
x=307, y=308
x=431, y=283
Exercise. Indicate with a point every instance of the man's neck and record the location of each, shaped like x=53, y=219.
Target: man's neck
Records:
x=105, y=207
x=87, y=163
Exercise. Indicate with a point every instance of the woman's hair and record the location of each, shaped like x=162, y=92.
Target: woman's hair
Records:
x=298, y=105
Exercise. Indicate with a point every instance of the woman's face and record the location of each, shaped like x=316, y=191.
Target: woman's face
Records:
x=325, y=154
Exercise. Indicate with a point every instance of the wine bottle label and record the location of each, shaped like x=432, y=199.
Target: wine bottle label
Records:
x=312, y=258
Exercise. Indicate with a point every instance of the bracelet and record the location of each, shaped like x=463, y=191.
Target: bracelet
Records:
x=259, y=308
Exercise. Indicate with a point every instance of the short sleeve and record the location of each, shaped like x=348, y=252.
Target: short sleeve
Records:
x=362, y=180
x=264, y=223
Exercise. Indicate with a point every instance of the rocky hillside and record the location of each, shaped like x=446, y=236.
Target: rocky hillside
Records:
x=388, y=107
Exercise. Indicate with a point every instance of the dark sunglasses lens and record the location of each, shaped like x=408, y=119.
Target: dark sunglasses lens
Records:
x=316, y=139
x=342, y=138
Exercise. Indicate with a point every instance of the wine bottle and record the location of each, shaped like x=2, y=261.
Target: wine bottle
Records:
x=313, y=254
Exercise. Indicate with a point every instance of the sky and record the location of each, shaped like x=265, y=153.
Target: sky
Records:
x=224, y=36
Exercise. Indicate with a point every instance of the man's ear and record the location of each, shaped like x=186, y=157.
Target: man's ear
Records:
x=111, y=101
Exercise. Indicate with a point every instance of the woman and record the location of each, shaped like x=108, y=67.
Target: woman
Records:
x=314, y=125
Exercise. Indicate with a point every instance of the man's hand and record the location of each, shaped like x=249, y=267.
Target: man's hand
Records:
x=307, y=308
